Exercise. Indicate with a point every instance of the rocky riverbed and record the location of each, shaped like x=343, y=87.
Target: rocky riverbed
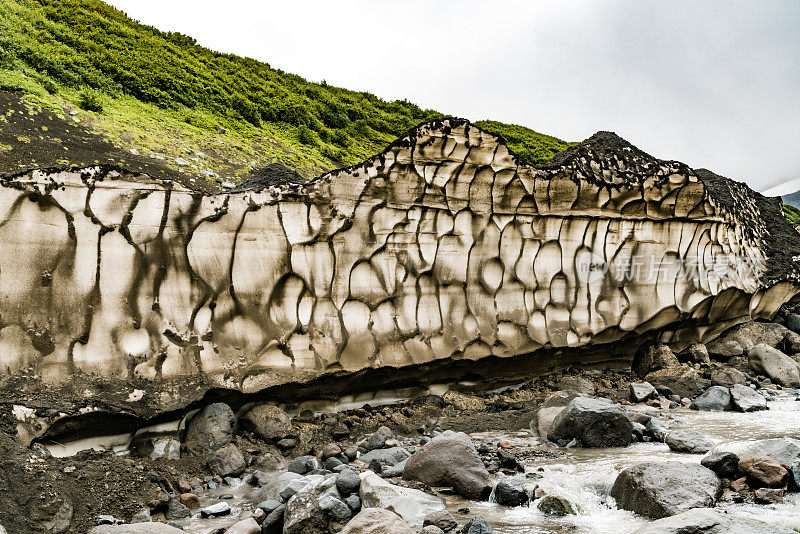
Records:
x=707, y=439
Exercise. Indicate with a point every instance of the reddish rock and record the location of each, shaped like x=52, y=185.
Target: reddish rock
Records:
x=184, y=486
x=505, y=445
x=740, y=485
x=330, y=450
x=763, y=471
x=245, y=526
x=190, y=500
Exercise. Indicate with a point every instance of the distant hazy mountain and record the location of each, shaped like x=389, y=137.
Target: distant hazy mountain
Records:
x=788, y=191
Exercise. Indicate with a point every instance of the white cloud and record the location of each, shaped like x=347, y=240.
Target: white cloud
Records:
x=712, y=83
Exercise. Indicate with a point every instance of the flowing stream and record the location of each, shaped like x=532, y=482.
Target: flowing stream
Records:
x=585, y=476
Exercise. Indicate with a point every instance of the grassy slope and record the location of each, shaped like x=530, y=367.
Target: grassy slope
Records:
x=791, y=213
x=162, y=94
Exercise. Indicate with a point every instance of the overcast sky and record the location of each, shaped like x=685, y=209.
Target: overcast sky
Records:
x=713, y=83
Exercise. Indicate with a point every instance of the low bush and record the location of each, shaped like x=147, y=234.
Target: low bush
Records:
x=90, y=100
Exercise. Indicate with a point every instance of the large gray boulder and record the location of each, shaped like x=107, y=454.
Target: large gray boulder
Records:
x=303, y=514
x=655, y=358
x=753, y=333
x=714, y=399
x=775, y=364
x=594, y=422
x=210, y=429
x=450, y=459
x=727, y=377
x=377, y=521
x=708, y=521
x=745, y=399
x=661, y=489
x=268, y=422
x=687, y=440
x=724, y=349
x=227, y=461
x=410, y=504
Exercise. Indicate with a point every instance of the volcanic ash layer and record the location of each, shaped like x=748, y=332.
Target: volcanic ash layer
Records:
x=437, y=259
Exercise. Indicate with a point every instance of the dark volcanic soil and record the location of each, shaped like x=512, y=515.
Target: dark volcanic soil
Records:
x=32, y=487
x=43, y=140
x=273, y=174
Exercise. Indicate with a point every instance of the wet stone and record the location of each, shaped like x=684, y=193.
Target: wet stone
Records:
x=220, y=508
x=555, y=505
x=724, y=464
x=441, y=519
x=304, y=464
x=268, y=506
x=715, y=399
x=747, y=400
x=476, y=525
x=509, y=494
x=687, y=440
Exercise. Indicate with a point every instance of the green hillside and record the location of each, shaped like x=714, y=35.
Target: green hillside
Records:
x=792, y=213
x=161, y=94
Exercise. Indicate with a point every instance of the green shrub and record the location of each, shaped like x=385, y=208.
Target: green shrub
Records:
x=90, y=100
x=341, y=138
x=333, y=153
x=307, y=136
x=49, y=85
